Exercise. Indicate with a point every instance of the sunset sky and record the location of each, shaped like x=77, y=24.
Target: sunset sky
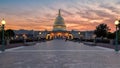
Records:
x=40, y=14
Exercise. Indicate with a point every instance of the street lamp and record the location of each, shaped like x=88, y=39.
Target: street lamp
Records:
x=40, y=36
x=40, y=33
x=79, y=35
x=94, y=37
x=25, y=38
x=117, y=22
x=3, y=40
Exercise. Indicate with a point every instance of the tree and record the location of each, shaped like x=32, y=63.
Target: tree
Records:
x=0, y=35
x=111, y=35
x=119, y=25
x=8, y=35
x=102, y=30
x=118, y=34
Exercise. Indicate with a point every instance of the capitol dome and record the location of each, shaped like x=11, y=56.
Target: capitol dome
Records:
x=59, y=24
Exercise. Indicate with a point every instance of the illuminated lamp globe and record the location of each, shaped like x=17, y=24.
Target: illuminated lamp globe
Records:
x=3, y=22
x=117, y=22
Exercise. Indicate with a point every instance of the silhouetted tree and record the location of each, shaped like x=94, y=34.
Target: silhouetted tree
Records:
x=119, y=25
x=102, y=30
x=8, y=35
x=111, y=35
x=0, y=35
x=118, y=34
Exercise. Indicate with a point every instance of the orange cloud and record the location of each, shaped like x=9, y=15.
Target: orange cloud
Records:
x=78, y=14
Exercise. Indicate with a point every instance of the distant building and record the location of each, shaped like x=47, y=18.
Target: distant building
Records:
x=28, y=33
x=75, y=33
x=82, y=34
x=87, y=34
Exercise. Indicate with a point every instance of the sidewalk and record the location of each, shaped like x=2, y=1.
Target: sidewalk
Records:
x=102, y=45
x=59, y=54
x=18, y=45
x=13, y=45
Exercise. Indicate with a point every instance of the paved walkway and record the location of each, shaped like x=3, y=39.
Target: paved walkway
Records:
x=106, y=45
x=59, y=54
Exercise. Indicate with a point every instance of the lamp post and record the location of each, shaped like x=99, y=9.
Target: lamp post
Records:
x=40, y=33
x=117, y=22
x=3, y=40
x=79, y=36
x=79, y=33
x=25, y=38
x=94, y=37
x=40, y=36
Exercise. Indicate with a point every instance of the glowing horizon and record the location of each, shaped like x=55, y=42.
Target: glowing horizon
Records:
x=40, y=14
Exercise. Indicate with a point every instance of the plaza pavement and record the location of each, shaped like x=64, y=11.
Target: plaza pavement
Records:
x=59, y=54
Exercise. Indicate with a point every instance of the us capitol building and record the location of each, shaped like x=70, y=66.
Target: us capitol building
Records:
x=59, y=31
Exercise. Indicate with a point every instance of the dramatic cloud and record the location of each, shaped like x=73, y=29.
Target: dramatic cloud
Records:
x=40, y=14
